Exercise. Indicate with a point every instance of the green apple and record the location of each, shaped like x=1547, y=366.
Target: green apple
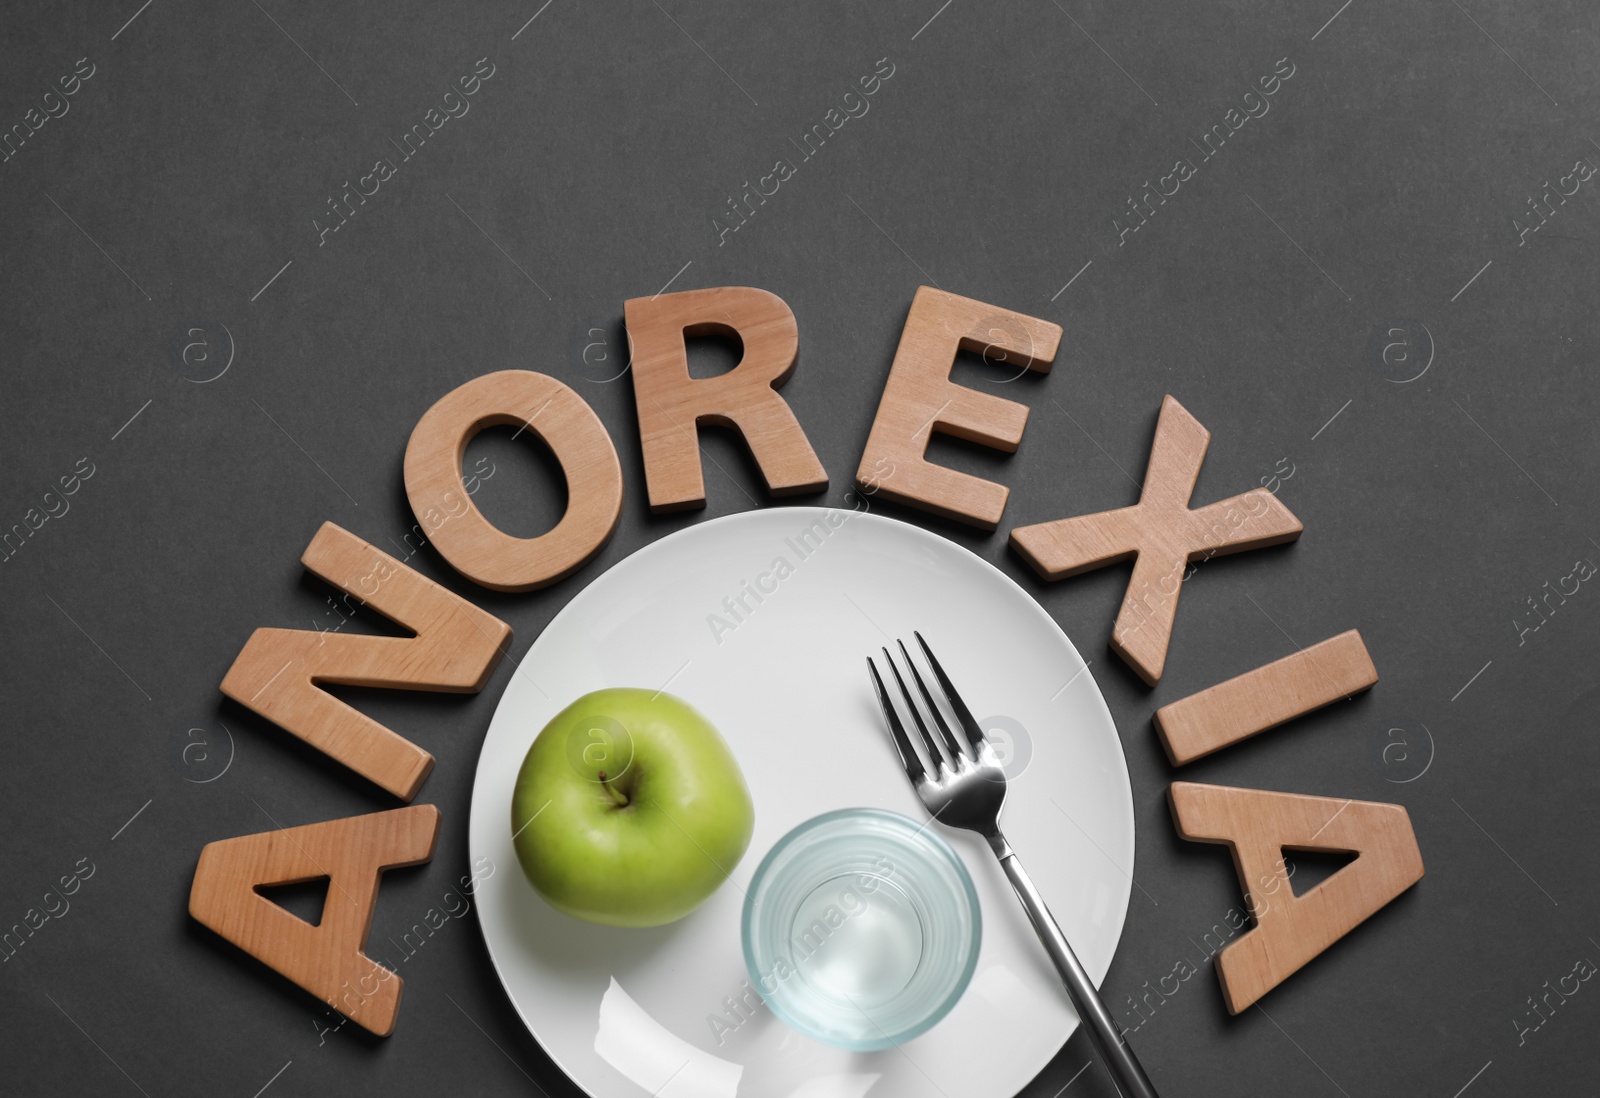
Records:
x=629, y=809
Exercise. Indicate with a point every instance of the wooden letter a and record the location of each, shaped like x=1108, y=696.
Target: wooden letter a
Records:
x=278, y=672
x=326, y=959
x=1259, y=827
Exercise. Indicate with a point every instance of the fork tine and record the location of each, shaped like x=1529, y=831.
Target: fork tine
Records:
x=935, y=756
x=974, y=733
x=897, y=731
x=954, y=745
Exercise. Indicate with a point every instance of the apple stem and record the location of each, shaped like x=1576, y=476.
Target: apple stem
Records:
x=613, y=792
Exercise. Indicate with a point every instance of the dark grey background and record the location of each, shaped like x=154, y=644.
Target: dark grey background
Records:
x=589, y=169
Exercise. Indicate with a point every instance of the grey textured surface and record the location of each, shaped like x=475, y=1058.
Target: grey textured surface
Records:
x=1389, y=178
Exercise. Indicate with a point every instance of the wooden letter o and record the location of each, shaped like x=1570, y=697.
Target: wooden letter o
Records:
x=470, y=542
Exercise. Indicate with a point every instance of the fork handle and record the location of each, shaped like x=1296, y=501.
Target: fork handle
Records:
x=1119, y=1059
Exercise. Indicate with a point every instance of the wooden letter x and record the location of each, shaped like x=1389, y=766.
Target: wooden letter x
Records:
x=1162, y=533
x=1259, y=827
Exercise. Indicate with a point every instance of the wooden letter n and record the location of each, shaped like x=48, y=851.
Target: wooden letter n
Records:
x=279, y=671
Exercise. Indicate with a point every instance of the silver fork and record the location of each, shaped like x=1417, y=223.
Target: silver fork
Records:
x=966, y=789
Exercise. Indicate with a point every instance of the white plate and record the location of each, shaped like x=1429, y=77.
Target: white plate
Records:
x=628, y=1012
